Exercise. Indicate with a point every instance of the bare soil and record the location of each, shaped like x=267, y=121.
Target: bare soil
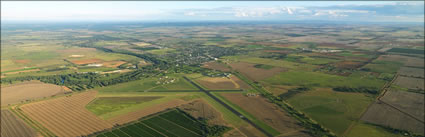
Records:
x=86, y=61
x=201, y=109
x=67, y=116
x=216, y=66
x=265, y=111
x=408, y=102
x=31, y=90
x=12, y=126
x=410, y=83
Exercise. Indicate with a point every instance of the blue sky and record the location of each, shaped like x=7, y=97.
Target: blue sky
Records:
x=376, y=11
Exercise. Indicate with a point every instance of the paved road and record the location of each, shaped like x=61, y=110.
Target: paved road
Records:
x=228, y=107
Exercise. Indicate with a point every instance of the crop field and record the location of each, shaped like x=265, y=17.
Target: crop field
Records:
x=171, y=123
x=216, y=66
x=149, y=85
x=12, y=126
x=145, y=111
x=103, y=105
x=385, y=115
x=297, y=78
x=409, y=51
x=25, y=91
x=113, y=64
x=267, y=112
x=334, y=110
x=408, y=102
x=254, y=73
x=364, y=129
x=384, y=66
x=222, y=83
x=201, y=109
x=67, y=116
x=86, y=61
x=410, y=83
x=415, y=62
x=412, y=72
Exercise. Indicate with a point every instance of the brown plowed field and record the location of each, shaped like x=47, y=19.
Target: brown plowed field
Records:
x=12, y=126
x=86, y=61
x=67, y=116
x=410, y=83
x=199, y=108
x=254, y=73
x=382, y=114
x=113, y=64
x=408, y=102
x=266, y=112
x=216, y=66
x=135, y=115
x=30, y=90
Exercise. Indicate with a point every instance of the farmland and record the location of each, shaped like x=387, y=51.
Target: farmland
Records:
x=266, y=112
x=170, y=123
x=12, y=126
x=334, y=110
x=27, y=91
x=66, y=116
x=200, y=79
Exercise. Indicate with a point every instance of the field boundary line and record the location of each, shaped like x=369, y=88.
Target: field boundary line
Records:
x=34, y=124
x=178, y=125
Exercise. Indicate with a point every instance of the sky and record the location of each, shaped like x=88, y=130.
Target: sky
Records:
x=371, y=11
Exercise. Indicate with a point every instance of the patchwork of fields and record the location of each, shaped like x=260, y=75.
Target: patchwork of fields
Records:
x=172, y=123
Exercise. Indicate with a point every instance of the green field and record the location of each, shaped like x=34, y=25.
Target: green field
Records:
x=384, y=66
x=149, y=85
x=103, y=105
x=317, y=79
x=334, y=110
x=409, y=51
x=172, y=123
x=364, y=129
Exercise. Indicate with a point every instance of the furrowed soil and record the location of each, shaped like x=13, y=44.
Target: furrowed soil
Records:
x=201, y=109
x=12, y=126
x=113, y=64
x=253, y=73
x=408, y=102
x=412, y=72
x=382, y=114
x=67, y=116
x=410, y=83
x=266, y=112
x=16, y=93
x=216, y=66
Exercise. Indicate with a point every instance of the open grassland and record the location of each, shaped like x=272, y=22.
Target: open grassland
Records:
x=254, y=73
x=103, y=105
x=363, y=129
x=172, y=123
x=150, y=85
x=297, y=78
x=67, y=116
x=383, y=114
x=26, y=91
x=410, y=83
x=408, y=102
x=334, y=110
x=266, y=112
x=12, y=126
x=384, y=66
